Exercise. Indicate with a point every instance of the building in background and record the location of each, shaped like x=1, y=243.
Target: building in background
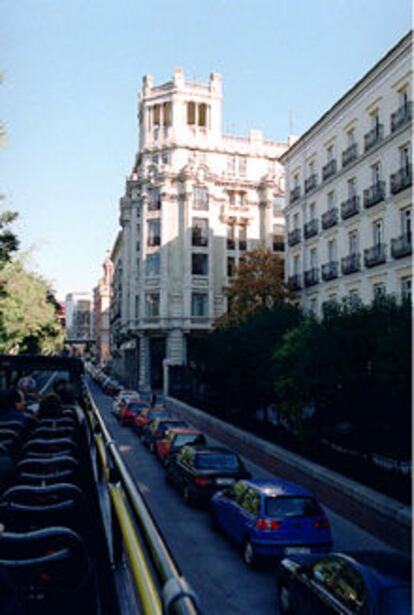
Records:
x=79, y=317
x=102, y=303
x=194, y=202
x=348, y=192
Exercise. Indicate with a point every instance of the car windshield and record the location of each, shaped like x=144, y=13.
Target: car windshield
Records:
x=164, y=425
x=396, y=601
x=184, y=438
x=217, y=461
x=280, y=507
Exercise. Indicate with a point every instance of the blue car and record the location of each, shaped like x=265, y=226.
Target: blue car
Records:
x=271, y=518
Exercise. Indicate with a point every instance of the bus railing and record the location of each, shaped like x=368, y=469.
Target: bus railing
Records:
x=158, y=582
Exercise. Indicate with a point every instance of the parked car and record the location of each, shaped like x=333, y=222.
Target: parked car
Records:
x=369, y=583
x=157, y=428
x=129, y=410
x=174, y=439
x=123, y=396
x=201, y=470
x=271, y=518
x=145, y=417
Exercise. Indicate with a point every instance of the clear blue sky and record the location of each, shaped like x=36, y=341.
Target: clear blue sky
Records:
x=73, y=69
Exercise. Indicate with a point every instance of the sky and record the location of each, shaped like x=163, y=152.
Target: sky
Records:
x=72, y=72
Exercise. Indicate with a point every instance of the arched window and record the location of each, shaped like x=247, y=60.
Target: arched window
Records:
x=191, y=113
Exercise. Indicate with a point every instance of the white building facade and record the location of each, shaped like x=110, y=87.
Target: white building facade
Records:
x=195, y=201
x=79, y=316
x=348, y=192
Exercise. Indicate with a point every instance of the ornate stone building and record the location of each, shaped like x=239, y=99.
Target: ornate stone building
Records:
x=102, y=302
x=194, y=202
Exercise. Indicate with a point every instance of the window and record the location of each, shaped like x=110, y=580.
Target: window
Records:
x=378, y=290
x=165, y=158
x=242, y=237
x=311, y=169
x=351, y=137
x=137, y=306
x=353, y=297
x=353, y=242
x=251, y=501
x=154, y=158
x=200, y=198
x=278, y=238
x=156, y=110
x=199, y=304
x=343, y=581
x=403, y=97
x=378, y=232
x=202, y=115
x=375, y=120
x=199, y=232
x=167, y=113
x=199, y=264
x=351, y=187
x=154, y=232
x=231, y=165
x=376, y=173
x=242, y=166
x=152, y=305
x=152, y=264
x=231, y=242
x=329, y=153
x=311, y=211
x=296, y=181
x=313, y=258
x=191, y=113
x=295, y=221
x=405, y=157
x=331, y=200
x=154, y=202
x=277, y=205
x=296, y=264
x=231, y=266
x=406, y=289
x=406, y=222
x=332, y=250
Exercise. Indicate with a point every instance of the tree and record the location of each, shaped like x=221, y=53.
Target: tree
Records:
x=28, y=318
x=8, y=240
x=258, y=284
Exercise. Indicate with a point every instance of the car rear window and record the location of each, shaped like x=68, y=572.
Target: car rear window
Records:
x=187, y=438
x=280, y=507
x=163, y=426
x=217, y=461
x=136, y=407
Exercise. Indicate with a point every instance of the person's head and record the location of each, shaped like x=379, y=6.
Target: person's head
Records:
x=27, y=385
x=50, y=407
x=12, y=399
x=65, y=392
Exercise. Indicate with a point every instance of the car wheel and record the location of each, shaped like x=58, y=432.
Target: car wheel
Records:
x=285, y=603
x=249, y=556
x=187, y=495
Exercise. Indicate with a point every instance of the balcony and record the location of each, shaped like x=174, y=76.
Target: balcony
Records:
x=374, y=194
x=311, y=228
x=350, y=207
x=401, y=179
x=154, y=241
x=278, y=246
x=294, y=194
x=231, y=244
x=376, y=255
x=242, y=245
x=330, y=218
x=294, y=282
x=401, y=246
x=351, y=263
x=402, y=116
x=294, y=237
x=311, y=277
x=311, y=182
x=349, y=154
x=329, y=169
x=330, y=271
x=374, y=136
x=199, y=241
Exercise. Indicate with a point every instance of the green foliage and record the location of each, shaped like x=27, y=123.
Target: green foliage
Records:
x=8, y=240
x=28, y=317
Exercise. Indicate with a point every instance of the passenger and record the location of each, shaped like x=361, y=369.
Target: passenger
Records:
x=50, y=407
x=66, y=392
x=12, y=406
x=27, y=385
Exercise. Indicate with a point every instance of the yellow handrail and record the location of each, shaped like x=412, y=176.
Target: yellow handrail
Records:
x=148, y=592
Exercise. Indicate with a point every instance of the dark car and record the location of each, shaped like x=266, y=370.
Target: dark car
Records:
x=156, y=429
x=200, y=470
x=366, y=583
x=271, y=518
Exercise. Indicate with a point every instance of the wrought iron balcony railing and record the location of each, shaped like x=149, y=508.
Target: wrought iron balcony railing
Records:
x=350, y=207
x=349, y=154
x=401, y=246
x=374, y=136
x=311, y=228
x=294, y=194
x=329, y=169
x=294, y=282
x=330, y=271
x=311, y=182
x=402, y=116
x=231, y=244
x=402, y=179
x=311, y=276
x=374, y=194
x=199, y=240
x=376, y=255
x=351, y=263
x=330, y=218
x=294, y=237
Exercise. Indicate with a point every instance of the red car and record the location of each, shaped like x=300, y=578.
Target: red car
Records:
x=129, y=411
x=145, y=417
x=176, y=438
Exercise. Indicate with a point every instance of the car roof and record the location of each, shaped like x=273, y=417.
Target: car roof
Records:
x=186, y=430
x=274, y=487
x=207, y=448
